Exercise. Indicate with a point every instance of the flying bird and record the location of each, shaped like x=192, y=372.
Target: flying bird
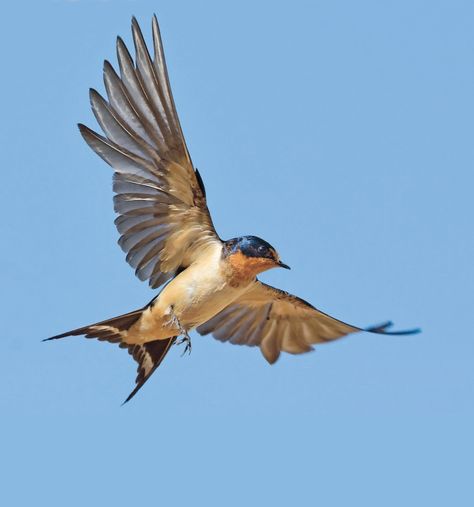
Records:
x=166, y=230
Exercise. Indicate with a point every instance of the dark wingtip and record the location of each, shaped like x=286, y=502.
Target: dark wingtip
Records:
x=135, y=25
x=84, y=130
x=94, y=96
x=406, y=331
x=379, y=328
x=120, y=43
x=382, y=329
x=56, y=337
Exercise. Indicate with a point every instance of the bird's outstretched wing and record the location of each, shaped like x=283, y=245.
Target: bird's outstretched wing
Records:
x=160, y=198
x=277, y=321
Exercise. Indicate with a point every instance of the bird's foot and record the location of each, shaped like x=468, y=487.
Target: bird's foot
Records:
x=186, y=338
x=188, y=347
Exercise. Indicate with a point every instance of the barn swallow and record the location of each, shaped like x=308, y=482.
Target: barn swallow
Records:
x=166, y=230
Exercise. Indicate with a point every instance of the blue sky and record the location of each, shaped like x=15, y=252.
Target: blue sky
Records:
x=341, y=132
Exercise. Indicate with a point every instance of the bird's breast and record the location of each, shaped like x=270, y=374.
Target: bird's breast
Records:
x=199, y=292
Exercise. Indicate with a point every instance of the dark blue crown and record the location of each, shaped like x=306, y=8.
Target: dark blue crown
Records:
x=251, y=246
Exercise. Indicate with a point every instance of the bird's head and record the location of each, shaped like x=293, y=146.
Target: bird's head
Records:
x=252, y=255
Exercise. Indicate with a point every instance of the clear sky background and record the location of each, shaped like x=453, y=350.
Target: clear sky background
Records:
x=341, y=132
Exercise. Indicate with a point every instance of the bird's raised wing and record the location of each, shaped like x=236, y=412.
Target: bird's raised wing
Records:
x=277, y=321
x=160, y=198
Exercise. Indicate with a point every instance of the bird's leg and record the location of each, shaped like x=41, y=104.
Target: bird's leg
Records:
x=188, y=347
x=186, y=338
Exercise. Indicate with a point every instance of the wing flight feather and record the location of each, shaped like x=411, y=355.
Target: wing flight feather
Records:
x=277, y=321
x=163, y=219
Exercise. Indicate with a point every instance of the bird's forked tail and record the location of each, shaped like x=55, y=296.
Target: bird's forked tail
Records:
x=148, y=355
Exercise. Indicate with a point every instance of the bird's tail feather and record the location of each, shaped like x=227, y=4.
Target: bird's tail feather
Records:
x=148, y=355
x=107, y=330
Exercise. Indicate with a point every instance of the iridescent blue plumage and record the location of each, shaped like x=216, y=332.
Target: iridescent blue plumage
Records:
x=251, y=246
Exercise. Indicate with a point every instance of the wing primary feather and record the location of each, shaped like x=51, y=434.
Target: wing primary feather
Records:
x=160, y=65
x=382, y=329
x=150, y=82
x=137, y=93
x=116, y=129
x=106, y=149
x=121, y=102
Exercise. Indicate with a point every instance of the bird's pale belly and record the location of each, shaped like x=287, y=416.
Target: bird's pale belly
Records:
x=191, y=299
x=199, y=305
x=195, y=297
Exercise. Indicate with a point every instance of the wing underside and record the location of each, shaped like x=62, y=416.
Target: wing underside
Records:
x=277, y=321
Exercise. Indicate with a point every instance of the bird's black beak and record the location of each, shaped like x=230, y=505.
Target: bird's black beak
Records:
x=283, y=265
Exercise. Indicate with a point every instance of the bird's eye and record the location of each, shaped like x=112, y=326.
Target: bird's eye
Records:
x=261, y=249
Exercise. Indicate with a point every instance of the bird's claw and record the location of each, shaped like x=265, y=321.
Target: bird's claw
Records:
x=187, y=349
x=186, y=338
